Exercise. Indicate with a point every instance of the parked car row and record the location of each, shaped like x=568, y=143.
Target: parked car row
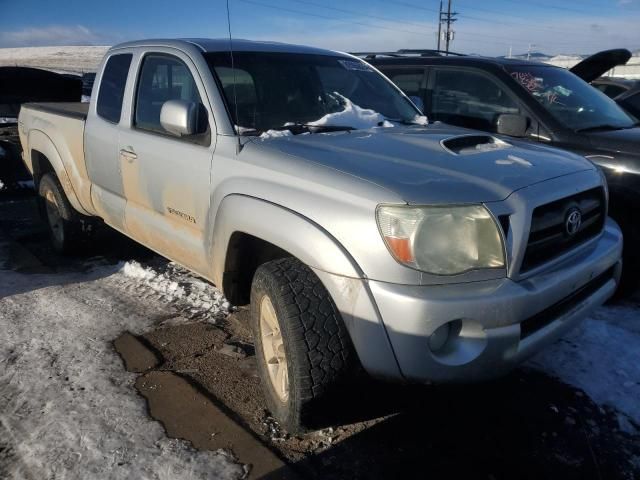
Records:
x=304, y=183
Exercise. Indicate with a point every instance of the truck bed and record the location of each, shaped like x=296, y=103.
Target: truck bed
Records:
x=55, y=132
x=68, y=109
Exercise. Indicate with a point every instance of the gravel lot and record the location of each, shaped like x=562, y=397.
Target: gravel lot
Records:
x=193, y=360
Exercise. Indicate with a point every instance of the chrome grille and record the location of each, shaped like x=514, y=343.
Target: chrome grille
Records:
x=553, y=226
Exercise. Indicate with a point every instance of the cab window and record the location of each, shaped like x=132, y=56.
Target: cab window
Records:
x=163, y=78
x=469, y=99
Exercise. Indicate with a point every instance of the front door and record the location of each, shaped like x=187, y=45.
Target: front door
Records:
x=167, y=178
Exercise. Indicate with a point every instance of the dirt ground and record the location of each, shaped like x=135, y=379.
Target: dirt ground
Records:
x=525, y=426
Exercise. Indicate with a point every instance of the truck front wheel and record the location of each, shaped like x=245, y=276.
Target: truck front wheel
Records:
x=302, y=346
x=65, y=228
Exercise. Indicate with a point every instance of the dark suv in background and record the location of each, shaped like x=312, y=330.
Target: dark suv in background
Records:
x=536, y=101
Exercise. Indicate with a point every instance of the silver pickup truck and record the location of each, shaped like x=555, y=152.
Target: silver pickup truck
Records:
x=303, y=182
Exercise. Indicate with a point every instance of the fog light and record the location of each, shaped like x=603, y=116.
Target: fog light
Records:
x=439, y=338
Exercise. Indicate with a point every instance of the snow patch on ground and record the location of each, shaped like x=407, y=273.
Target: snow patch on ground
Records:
x=353, y=116
x=67, y=407
x=601, y=357
x=177, y=284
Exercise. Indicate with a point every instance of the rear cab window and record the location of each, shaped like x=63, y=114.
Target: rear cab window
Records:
x=112, y=87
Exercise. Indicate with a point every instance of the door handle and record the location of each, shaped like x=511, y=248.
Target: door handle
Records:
x=129, y=155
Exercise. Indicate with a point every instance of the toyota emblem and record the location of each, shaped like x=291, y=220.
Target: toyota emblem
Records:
x=573, y=221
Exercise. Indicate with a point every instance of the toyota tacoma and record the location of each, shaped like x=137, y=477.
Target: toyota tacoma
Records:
x=304, y=183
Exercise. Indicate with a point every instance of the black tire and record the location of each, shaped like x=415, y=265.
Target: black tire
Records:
x=316, y=344
x=66, y=228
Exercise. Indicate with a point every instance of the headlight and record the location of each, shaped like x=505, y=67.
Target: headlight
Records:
x=442, y=240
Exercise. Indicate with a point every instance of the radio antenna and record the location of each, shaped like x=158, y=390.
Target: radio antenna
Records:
x=236, y=127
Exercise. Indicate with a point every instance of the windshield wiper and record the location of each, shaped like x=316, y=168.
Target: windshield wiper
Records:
x=298, y=128
x=603, y=127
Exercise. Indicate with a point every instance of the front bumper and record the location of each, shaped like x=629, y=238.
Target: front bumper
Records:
x=496, y=324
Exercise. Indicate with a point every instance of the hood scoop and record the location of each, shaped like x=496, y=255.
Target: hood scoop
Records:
x=472, y=144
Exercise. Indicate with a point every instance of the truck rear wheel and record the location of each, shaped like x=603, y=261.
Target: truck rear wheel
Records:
x=65, y=227
x=302, y=346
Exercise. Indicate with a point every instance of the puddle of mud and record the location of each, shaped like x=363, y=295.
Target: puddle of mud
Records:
x=187, y=413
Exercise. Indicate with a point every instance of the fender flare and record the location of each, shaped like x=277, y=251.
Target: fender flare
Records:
x=319, y=250
x=275, y=224
x=41, y=143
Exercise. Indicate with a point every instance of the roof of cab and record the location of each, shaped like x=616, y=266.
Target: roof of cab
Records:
x=224, y=45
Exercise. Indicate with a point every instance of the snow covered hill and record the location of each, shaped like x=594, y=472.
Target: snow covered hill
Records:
x=62, y=59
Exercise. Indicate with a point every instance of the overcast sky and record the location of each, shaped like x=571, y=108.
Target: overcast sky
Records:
x=488, y=27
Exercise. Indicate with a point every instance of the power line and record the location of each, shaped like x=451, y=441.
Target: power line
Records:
x=555, y=6
x=516, y=24
x=493, y=21
x=325, y=17
x=360, y=14
x=495, y=12
x=608, y=7
x=503, y=40
x=411, y=5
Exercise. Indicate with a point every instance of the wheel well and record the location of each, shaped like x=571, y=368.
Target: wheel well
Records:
x=41, y=165
x=245, y=253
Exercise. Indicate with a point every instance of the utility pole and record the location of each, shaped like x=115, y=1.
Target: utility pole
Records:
x=439, y=25
x=448, y=27
x=447, y=17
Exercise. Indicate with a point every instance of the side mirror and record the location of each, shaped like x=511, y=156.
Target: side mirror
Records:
x=417, y=101
x=512, y=125
x=179, y=117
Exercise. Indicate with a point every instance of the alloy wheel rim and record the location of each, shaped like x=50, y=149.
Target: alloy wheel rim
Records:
x=273, y=349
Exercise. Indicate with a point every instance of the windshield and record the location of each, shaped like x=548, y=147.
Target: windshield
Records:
x=274, y=91
x=572, y=101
